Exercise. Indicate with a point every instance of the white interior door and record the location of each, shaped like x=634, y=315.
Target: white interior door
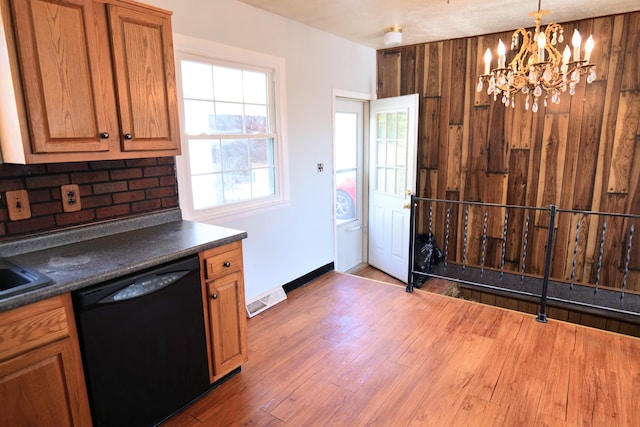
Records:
x=392, y=147
x=349, y=177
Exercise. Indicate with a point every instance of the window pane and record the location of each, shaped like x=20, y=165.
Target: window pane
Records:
x=380, y=179
x=392, y=125
x=381, y=152
x=228, y=118
x=346, y=147
x=391, y=153
x=227, y=84
x=204, y=156
x=263, y=182
x=197, y=80
x=391, y=181
x=198, y=117
x=382, y=126
x=256, y=119
x=261, y=152
x=400, y=181
x=207, y=191
x=255, y=87
x=235, y=154
x=237, y=186
x=346, y=190
x=402, y=126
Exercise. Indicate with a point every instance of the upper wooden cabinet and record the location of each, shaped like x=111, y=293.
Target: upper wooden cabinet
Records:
x=145, y=75
x=97, y=80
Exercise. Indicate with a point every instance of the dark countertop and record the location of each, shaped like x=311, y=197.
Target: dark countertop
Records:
x=93, y=260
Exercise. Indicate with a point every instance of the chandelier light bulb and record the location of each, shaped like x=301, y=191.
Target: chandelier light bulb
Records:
x=588, y=47
x=487, y=61
x=566, y=55
x=502, y=50
x=542, y=42
x=576, y=40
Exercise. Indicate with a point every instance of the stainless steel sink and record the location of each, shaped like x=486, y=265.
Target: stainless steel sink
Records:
x=15, y=278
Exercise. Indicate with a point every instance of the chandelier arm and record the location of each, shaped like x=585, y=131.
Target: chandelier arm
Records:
x=519, y=59
x=554, y=55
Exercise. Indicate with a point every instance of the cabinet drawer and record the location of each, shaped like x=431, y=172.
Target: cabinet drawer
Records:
x=223, y=263
x=31, y=326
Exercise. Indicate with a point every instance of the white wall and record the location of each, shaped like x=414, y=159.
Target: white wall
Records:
x=290, y=241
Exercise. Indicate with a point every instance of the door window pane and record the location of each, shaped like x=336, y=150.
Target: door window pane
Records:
x=391, y=156
x=346, y=158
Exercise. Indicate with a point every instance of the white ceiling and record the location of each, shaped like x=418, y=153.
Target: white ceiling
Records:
x=364, y=21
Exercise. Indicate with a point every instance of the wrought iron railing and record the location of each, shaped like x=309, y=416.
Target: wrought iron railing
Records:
x=571, y=259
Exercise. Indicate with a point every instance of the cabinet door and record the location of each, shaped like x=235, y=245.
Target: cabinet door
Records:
x=44, y=387
x=227, y=323
x=145, y=76
x=66, y=84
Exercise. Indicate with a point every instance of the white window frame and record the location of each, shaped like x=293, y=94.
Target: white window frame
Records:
x=189, y=48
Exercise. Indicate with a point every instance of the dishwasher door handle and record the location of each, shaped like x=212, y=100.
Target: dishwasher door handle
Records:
x=144, y=286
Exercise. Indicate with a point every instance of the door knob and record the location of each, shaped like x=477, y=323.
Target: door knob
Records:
x=128, y=136
x=406, y=206
x=214, y=296
x=409, y=193
x=104, y=135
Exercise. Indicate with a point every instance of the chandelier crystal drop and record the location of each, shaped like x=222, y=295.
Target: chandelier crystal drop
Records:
x=538, y=68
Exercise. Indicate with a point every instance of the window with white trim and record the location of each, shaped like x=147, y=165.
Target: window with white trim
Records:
x=232, y=149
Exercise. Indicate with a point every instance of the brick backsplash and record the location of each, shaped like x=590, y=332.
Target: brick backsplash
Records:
x=108, y=190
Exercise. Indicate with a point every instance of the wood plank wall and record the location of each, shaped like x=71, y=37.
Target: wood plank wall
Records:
x=582, y=154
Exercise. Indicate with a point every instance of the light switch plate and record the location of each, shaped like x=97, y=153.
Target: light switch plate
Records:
x=70, y=198
x=18, y=205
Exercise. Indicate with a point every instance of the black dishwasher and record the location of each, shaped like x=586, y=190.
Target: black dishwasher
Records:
x=143, y=344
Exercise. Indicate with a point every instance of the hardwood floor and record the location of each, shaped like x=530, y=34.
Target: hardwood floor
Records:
x=347, y=351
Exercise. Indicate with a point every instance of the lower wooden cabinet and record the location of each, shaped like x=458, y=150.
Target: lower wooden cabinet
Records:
x=41, y=377
x=224, y=307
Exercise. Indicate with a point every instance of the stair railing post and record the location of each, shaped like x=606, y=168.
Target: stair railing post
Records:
x=542, y=315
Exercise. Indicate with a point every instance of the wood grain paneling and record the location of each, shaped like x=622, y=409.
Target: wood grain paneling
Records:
x=631, y=76
x=580, y=154
x=625, y=143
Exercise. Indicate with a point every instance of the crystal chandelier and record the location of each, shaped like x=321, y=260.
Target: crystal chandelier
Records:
x=538, y=67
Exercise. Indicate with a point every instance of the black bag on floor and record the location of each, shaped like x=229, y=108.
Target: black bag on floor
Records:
x=426, y=255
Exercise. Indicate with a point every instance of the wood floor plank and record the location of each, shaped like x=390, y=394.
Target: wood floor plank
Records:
x=467, y=414
x=450, y=383
x=347, y=351
x=371, y=396
x=556, y=392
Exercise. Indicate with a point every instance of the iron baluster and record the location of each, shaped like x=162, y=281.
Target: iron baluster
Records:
x=626, y=264
x=484, y=243
x=504, y=243
x=575, y=254
x=600, y=255
x=524, y=247
x=464, y=243
x=431, y=219
x=446, y=237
